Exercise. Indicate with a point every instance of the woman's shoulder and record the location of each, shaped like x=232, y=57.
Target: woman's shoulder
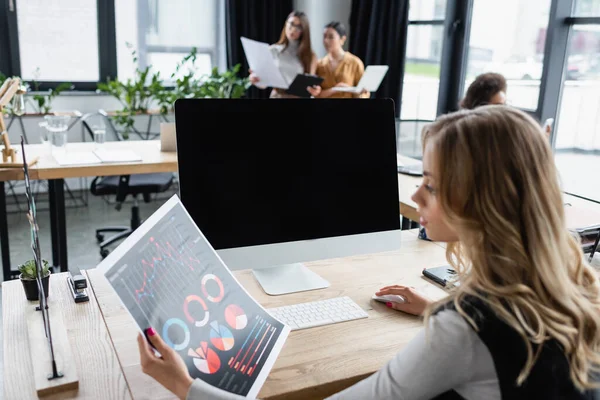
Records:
x=323, y=61
x=352, y=59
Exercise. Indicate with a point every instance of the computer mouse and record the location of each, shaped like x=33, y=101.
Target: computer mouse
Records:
x=386, y=298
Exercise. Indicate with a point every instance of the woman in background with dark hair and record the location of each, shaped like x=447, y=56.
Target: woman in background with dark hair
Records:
x=293, y=52
x=338, y=67
x=488, y=88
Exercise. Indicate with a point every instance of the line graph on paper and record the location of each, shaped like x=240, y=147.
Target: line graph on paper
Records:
x=172, y=280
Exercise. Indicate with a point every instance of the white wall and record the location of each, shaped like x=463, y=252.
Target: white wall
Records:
x=320, y=13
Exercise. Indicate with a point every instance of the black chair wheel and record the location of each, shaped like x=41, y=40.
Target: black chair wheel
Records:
x=99, y=237
x=104, y=252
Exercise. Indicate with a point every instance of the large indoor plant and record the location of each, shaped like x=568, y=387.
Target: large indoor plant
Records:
x=135, y=95
x=147, y=89
x=28, y=278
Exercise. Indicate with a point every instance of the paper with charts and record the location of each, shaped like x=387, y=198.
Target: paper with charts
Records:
x=169, y=277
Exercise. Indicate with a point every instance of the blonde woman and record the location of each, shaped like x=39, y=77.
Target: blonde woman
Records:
x=524, y=322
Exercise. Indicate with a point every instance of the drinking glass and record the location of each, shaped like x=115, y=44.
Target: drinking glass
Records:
x=99, y=131
x=57, y=126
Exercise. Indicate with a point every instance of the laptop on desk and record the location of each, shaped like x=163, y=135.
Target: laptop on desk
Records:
x=370, y=80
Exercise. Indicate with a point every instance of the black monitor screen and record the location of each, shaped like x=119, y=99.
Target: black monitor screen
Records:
x=256, y=172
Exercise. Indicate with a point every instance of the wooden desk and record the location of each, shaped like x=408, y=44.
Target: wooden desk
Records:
x=98, y=369
x=153, y=160
x=313, y=363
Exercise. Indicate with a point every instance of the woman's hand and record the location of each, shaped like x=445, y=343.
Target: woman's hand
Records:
x=168, y=370
x=415, y=302
x=314, y=90
x=254, y=79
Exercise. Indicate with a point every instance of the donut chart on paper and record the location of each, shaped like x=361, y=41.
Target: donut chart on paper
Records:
x=205, y=359
x=221, y=337
x=212, y=277
x=186, y=333
x=186, y=310
x=236, y=317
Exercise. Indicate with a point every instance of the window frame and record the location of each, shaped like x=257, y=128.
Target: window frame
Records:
x=107, y=45
x=426, y=22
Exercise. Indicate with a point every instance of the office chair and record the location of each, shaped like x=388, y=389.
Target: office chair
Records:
x=122, y=186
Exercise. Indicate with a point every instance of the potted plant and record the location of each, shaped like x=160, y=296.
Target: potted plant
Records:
x=135, y=95
x=28, y=278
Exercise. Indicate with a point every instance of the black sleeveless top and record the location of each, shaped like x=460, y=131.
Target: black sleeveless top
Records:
x=549, y=378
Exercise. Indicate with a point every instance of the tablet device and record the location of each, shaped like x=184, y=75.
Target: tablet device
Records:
x=301, y=81
x=444, y=276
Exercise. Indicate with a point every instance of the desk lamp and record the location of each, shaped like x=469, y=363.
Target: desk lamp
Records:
x=11, y=88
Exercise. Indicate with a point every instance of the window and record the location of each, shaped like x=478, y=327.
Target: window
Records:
x=422, y=72
x=577, y=143
x=587, y=8
x=424, y=42
x=163, y=33
x=58, y=40
x=508, y=37
x=426, y=10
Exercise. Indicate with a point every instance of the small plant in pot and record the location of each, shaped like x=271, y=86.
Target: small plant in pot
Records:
x=28, y=278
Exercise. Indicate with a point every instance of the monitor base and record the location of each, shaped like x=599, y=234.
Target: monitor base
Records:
x=288, y=278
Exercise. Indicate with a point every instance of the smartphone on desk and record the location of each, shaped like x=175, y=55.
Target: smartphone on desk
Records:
x=444, y=276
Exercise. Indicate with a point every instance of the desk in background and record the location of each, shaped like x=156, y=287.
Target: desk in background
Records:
x=314, y=363
x=153, y=160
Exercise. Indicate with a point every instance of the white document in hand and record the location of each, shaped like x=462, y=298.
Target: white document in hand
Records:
x=261, y=62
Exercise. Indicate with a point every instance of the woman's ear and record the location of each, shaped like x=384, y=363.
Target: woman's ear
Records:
x=343, y=40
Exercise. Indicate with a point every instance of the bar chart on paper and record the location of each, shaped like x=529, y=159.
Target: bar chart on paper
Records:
x=172, y=280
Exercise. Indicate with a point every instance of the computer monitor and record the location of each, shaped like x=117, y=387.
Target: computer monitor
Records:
x=276, y=182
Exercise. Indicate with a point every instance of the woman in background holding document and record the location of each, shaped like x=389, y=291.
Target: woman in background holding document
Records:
x=338, y=67
x=524, y=322
x=293, y=52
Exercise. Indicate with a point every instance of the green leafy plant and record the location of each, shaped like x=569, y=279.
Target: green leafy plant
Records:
x=43, y=101
x=28, y=269
x=135, y=95
x=224, y=85
x=146, y=88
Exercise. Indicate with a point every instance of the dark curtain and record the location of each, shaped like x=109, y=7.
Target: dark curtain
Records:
x=378, y=36
x=260, y=20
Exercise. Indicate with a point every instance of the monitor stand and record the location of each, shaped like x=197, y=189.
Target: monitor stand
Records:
x=288, y=278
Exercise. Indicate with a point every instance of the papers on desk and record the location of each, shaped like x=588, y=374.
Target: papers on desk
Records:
x=75, y=158
x=261, y=62
x=168, y=276
x=98, y=156
x=116, y=156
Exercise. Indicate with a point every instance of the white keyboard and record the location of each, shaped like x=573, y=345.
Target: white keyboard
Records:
x=317, y=313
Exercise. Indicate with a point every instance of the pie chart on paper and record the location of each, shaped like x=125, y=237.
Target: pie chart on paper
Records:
x=236, y=317
x=221, y=337
x=205, y=359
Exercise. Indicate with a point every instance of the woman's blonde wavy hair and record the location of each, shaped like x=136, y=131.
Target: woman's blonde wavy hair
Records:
x=498, y=187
